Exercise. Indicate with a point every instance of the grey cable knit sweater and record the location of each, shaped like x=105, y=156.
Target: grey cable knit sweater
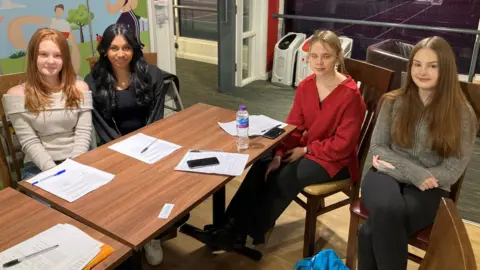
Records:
x=414, y=165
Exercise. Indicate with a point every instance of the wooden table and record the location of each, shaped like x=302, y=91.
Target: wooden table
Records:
x=23, y=217
x=127, y=208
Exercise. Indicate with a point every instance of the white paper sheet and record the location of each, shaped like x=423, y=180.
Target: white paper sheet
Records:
x=74, y=183
x=76, y=249
x=134, y=145
x=258, y=125
x=230, y=163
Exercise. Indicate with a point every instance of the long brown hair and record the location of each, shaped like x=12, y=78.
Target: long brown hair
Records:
x=37, y=94
x=443, y=112
x=331, y=39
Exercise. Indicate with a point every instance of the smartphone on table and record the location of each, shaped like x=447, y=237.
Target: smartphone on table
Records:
x=202, y=162
x=273, y=133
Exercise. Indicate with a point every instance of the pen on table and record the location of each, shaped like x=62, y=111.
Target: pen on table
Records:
x=198, y=151
x=146, y=148
x=265, y=130
x=21, y=259
x=47, y=177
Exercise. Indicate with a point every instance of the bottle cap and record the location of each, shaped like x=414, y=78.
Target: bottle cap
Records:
x=242, y=107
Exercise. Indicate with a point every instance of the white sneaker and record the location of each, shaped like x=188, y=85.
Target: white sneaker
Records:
x=154, y=252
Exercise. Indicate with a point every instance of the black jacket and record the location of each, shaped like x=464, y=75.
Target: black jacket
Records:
x=106, y=128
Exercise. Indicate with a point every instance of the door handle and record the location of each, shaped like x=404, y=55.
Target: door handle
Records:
x=225, y=17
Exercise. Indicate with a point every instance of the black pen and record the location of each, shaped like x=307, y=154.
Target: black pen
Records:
x=19, y=260
x=146, y=148
x=265, y=130
x=199, y=151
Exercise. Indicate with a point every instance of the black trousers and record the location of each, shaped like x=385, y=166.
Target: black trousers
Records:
x=258, y=203
x=396, y=212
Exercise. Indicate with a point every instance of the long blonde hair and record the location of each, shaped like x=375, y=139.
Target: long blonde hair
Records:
x=37, y=97
x=444, y=111
x=331, y=39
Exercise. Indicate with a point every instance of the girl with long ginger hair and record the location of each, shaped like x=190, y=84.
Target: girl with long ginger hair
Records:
x=51, y=111
x=421, y=145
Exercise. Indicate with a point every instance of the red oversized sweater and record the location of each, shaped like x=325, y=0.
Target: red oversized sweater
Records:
x=330, y=129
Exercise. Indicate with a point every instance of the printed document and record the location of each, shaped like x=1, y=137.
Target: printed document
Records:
x=229, y=163
x=74, y=183
x=258, y=125
x=135, y=146
x=75, y=250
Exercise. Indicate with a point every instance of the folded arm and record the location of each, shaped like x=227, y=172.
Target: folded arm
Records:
x=450, y=170
x=83, y=133
x=447, y=173
x=295, y=118
x=31, y=144
x=404, y=170
x=83, y=129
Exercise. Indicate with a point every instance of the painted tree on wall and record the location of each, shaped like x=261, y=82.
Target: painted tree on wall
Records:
x=79, y=18
x=141, y=9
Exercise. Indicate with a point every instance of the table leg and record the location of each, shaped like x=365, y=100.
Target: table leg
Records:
x=137, y=259
x=218, y=218
x=134, y=262
x=219, y=206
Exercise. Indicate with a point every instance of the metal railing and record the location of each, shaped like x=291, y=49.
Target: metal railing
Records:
x=195, y=8
x=476, y=46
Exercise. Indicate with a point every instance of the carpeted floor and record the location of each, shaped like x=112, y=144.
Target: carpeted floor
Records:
x=198, y=83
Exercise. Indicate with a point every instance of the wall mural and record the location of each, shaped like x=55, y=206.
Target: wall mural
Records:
x=19, y=19
x=132, y=13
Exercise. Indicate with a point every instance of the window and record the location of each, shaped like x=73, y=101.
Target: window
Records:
x=439, y=13
x=198, y=23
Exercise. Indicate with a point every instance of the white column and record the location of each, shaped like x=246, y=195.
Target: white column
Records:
x=161, y=25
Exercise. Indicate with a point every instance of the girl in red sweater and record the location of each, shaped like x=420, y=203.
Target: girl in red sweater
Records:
x=328, y=112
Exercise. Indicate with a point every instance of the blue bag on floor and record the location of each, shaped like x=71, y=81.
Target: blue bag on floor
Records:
x=324, y=260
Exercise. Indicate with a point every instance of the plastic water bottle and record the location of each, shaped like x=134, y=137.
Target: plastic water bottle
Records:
x=242, y=128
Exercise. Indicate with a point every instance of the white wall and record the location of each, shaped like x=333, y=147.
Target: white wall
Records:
x=197, y=49
x=200, y=50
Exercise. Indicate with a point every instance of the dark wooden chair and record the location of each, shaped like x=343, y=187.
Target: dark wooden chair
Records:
x=7, y=82
x=472, y=92
x=422, y=238
x=448, y=228
x=375, y=81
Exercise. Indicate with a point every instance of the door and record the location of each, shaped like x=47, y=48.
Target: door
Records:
x=226, y=45
x=245, y=45
x=251, y=40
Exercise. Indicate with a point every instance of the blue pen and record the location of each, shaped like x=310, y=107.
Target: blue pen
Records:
x=47, y=177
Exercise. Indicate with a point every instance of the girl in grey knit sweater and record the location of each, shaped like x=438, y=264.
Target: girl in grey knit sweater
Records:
x=421, y=145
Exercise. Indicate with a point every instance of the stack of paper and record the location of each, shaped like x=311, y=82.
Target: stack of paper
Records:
x=258, y=125
x=75, y=250
x=74, y=183
x=136, y=144
x=229, y=163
